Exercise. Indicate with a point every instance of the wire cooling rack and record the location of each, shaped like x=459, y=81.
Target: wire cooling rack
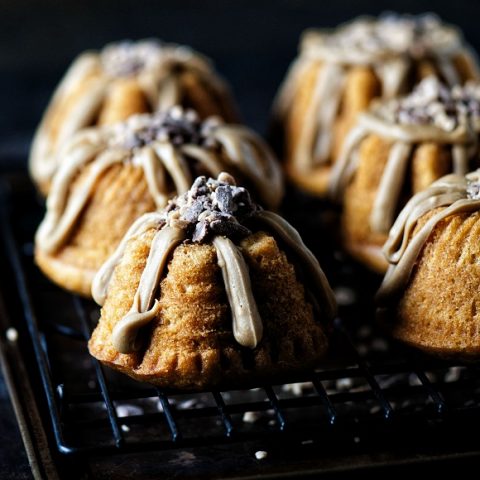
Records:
x=369, y=393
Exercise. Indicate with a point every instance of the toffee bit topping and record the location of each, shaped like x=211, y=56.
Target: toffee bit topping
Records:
x=124, y=59
x=473, y=190
x=176, y=125
x=129, y=58
x=401, y=34
x=432, y=103
x=212, y=207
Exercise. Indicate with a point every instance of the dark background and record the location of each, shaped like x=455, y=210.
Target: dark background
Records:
x=251, y=42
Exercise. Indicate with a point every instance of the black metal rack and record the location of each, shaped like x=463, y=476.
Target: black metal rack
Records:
x=371, y=394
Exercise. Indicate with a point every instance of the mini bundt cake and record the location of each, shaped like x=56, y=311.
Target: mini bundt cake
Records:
x=210, y=291
x=338, y=73
x=111, y=175
x=430, y=296
x=398, y=148
x=122, y=79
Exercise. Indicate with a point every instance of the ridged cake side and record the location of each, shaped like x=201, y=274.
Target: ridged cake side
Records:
x=190, y=343
x=440, y=309
x=101, y=226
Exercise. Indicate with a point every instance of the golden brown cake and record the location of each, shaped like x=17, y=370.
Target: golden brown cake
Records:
x=122, y=79
x=430, y=297
x=210, y=291
x=111, y=175
x=338, y=73
x=396, y=149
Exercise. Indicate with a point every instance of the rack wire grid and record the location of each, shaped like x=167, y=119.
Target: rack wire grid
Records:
x=369, y=391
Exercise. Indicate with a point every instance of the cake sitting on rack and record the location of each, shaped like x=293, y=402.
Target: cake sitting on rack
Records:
x=122, y=79
x=111, y=175
x=430, y=297
x=212, y=290
x=396, y=149
x=338, y=73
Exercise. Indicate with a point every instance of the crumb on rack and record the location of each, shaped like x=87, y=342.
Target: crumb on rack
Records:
x=261, y=454
x=12, y=334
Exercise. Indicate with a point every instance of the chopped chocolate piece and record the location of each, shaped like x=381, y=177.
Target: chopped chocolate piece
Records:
x=473, y=190
x=417, y=36
x=175, y=125
x=223, y=198
x=201, y=232
x=242, y=200
x=432, y=103
x=212, y=207
x=191, y=213
x=229, y=229
x=199, y=188
x=129, y=58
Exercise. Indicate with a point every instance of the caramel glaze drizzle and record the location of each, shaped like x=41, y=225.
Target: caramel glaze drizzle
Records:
x=159, y=159
x=247, y=324
x=160, y=84
x=145, y=306
x=392, y=68
x=246, y=321
x=450, y=193
x=462, y=139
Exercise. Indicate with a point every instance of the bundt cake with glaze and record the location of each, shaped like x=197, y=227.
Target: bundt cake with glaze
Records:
x=111, y=175
x=396, y=149
x=430, y=296
x=212, y=290
x=122, y=79
x=338, y=73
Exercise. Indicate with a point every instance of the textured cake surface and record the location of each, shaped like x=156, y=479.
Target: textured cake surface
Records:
x=190, y=344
